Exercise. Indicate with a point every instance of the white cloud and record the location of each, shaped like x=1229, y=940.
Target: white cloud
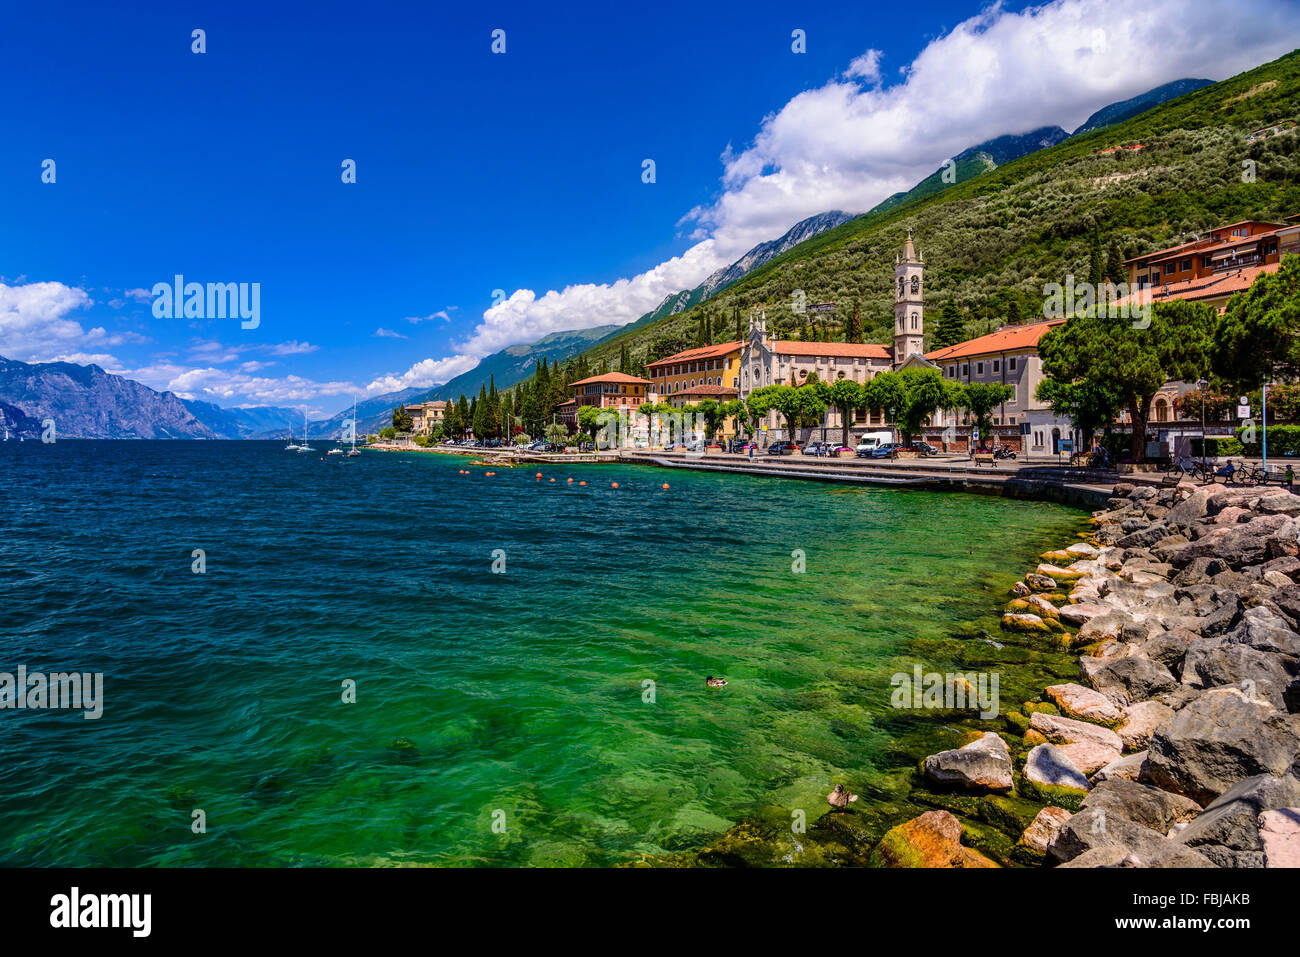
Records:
x=865, y=67
x=35, y=324
x=292, y=348
x=854, y=141
x=211, y=384
x=443, y=314
x=841, y=146
x=383, y=333
x=424, y=374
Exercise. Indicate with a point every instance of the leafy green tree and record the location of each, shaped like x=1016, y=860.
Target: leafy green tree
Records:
x=1258, y=336
x=388, y=432
x=846, y=396
x=853, y=324
x=1116, y=271
x=798, y=405
x=1090, y=405
x=589, y=418
x=1133, y=360
x=911, y=397
x=979, y=399
x=556, y=434
x=403, y=421
x=1096, y=260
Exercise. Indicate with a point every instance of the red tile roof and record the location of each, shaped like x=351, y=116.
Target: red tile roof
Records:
x=1205, y=287
x=835, y=350
x=621, y=378
x=1007, y=339
x=704, y=352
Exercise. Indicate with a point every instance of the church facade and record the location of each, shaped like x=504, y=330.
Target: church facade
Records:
x=1009, y=356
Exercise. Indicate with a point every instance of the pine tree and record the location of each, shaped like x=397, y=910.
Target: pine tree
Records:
x=740, y=329
x=853, y=327
x=950, y=329
x=1115, y=271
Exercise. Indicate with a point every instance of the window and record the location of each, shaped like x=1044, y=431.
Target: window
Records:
x=1270, y=247
x=1142, y=277
x=1014, y=392
x=965, y=369
x=1011, y=364
x=1169, y=269
x=916, y=285
x=915, y=319
x=997, y=365
x=1185, y=265
x=979, y=368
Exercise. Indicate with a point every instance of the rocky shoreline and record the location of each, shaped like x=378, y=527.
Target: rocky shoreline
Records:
x=1177, y=746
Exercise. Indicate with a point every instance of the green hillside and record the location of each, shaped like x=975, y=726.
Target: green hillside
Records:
x=992, y=241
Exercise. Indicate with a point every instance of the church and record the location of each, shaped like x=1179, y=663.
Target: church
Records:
x=1009, y=356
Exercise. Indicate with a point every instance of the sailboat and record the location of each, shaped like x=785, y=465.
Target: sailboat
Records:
x=305, y=447
x=354, y=451
x=291, y=447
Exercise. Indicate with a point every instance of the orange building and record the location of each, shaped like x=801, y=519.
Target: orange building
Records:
x=707, y=366
x=613, y=390
x=1241, y=245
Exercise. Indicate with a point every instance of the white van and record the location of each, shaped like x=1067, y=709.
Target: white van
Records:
x=871, y=441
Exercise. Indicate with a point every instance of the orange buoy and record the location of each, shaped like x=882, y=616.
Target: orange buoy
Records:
x=552, y=480
x=582, y=483
x=570, y=481
x=539, y=474
x=665, y=485
x=491, y=473
x=613, y=484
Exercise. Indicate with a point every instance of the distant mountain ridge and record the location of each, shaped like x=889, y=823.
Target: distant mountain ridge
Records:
x=86, y=402
x=1127, y=109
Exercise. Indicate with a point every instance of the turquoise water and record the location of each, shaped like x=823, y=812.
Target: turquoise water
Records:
x=514, y=698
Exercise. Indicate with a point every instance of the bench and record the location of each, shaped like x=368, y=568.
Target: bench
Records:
x=984, y=457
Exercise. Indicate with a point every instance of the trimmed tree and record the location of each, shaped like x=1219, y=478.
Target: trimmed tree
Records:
x=1132, y=359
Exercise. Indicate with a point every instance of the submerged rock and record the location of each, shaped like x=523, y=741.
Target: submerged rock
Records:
x=931, y=840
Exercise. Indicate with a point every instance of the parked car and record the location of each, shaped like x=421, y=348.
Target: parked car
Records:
x=923, y=448
x=884, y=451
x=783, y=448
x=816, y=448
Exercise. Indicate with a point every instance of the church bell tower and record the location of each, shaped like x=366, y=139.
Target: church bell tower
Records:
x=909, y=314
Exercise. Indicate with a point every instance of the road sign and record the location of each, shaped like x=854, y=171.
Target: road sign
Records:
x=1243, y=412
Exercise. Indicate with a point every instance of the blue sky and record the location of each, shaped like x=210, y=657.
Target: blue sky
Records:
x=478, y=172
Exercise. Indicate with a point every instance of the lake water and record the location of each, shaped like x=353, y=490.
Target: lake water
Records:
x=517, y=699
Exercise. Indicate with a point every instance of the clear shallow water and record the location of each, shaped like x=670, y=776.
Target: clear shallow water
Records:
x=475, y=691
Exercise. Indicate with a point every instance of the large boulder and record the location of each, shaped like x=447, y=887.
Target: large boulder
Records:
x=1048, y=765
x=1212, y=663
x=1140, y=722
x=1127, y=768
x=1133, y=678
x=984, y=764
x=1152, y=808
x=1217, y=740
x=931, y=840
x=1043, y=829
x=1095, y=827
x=1084, y=703
x=1062, y=730
x=1279, y=831
x=1228, y=831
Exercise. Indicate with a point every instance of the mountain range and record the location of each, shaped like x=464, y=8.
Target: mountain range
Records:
x=88, y=402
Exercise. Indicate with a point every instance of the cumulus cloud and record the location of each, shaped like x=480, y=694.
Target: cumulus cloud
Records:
x=843, y=146
x=292, y=348
x=422, y=375
x=35, y=323
x=855, y=140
